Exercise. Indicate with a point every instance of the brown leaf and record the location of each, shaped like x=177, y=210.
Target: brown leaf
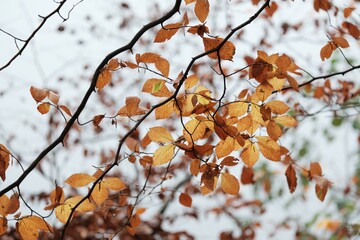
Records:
x=291, y=178
x=166, y=32
x=66, y=110
x=14, y=204
x=226, y=52
x=97, y=119
x=326, y=51
x=103, y=79
x=38, y=94
x=341, y=42
x=321, y=192
x=149, y=57
x=156, y=87
x=201, y=9
x=4, y=161
x=163, y=66
x=315, y=169
x=250, y=154
x=131, y=107
x=247, y=175
x=44, y=108
x=185, y=200
x=113, y=64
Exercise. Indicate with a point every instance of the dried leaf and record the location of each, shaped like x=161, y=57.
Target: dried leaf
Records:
x=113, y=64
x=247, y=175
x=291, y=178
x=237, y=109
x=80, y=180
x=185, y=200
x=114, y=183
x=315, y=169
x=4, y=161
x=321, y=192
x=163, y=66
x=163, y=154
x=29, y=226
x=287, y=121
x=103, y=79
x=191, y=81
x=160, y=134
x=63, y=211
x=201, y=9
x=277, y=106
x=66, y=110
x=165, y=111
x=131, y=107
x=326, y=51
x=226, y=52
x=38, y=94
x=229, y=184
x=3, y=225
x=44, y=108
x=14, y=204
x=341, y=42
x=166, y=32
x=225, y=147
x=250, y=154
x=156, y=87
x=100, y=193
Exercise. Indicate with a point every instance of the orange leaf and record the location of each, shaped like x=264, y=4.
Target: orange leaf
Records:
x=156, y=87
x=163, y=66
x=14, y=204
x=135, y=221
x=277, y=106
x=353, y=29
x=100, y=193
x=348, y=11
x=63, y=211
x=103, y=79
x=229, y=183
x=114, y=183
x=29, y=226
x=163, y=154
x=225, y=147
x=43, y=108
x=80, y=180
x=53, y=97
x=287, y=121
x=165, y=111
x=269, y=148
x=131, y=107
x=293, y=83
x=189, y=1
x=4, y=161
x=315, y=169
x=226, y=52
x=4, y=205
x=166, y=32
x=250, y=154
x=201, y=9
x=66, y=110
x=321, y=192
x=229, y=161
x=3, y=225
x=160, y=134
x=291, y=178
x=113, y=64
x=195, y=167
x=149, y=57
x=326, y=51
x=341, y=42
x=191, y=81
x=274, y=130
x=132, y=144
x=185, y=199
x=238, y=109
x=38, y=94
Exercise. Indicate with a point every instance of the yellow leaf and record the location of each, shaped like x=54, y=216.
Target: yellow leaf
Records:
x=226, y=52
x=287, y=121
x=277, y=106
x=224, y=148
x=103, y=79
x=100, y=193
x=203, y=95
x=229, y=183
x=63, y=211
x=194, y=130
x=114, y=183
x=156, y=87
x=163, y=154
x=160, y=134
x=80, y=179
x=238, y=109
x=163, y=66
x=250, y=154
x=38, y=94
x=43, y=108
x=166, y=32
x=191, y=81
x=269, y=148
x=276, y=83
x=329, y=224
x=29, y=226
x=185, y=200
x=262, y=92
x=201, y=9
x=165, y=111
